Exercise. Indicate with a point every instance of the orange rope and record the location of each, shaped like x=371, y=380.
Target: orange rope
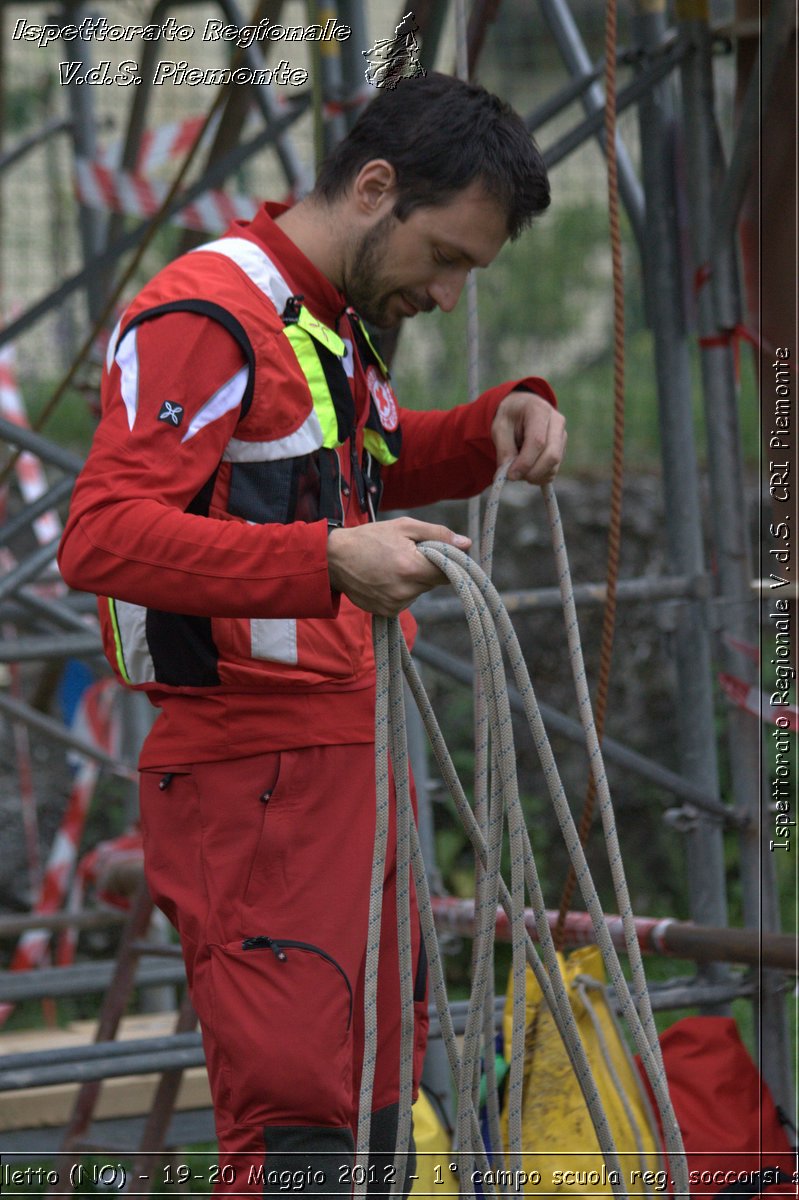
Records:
x=614, y=529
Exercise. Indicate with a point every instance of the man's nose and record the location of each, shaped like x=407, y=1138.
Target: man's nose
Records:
x=446, y=292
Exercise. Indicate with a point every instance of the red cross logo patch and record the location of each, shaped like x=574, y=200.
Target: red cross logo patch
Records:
x=382, y=393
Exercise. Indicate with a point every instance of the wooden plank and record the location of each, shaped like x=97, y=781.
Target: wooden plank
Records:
x=35, y=1108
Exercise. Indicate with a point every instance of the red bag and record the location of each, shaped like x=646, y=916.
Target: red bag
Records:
x=734, y=1141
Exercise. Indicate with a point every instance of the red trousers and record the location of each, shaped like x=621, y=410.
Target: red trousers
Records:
x=263, y=865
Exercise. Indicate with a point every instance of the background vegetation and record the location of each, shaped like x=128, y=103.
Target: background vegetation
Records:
x=545, y=309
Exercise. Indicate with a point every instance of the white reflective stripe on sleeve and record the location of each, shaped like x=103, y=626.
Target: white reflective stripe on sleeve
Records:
x=131, y=620
x=304, y=440
x=255, y=264
x=112, y=345
x=275, y=639
x=225, y=398
x=127, y=359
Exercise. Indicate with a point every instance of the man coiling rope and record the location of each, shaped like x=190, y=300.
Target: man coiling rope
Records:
x=225, y=518
x=491, y=631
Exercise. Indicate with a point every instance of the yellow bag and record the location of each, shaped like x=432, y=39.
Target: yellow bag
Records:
x=561, y=1152
x=433, y=1176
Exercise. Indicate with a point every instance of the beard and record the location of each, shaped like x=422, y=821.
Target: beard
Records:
x=364, y=288
x=368, y=289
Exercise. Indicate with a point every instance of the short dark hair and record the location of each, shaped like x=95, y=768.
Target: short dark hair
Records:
x=440, y=135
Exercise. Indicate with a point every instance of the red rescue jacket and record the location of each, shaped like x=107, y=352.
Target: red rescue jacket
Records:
x=204, y=512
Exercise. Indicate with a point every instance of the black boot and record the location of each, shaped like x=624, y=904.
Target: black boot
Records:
x=311, y=1159
x=382, y=1143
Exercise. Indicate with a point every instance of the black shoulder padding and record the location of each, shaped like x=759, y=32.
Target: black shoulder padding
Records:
x=216, y=312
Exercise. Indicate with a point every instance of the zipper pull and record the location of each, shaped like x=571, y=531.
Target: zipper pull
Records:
x=357, y=477
x=372, y=489
x=265, y=943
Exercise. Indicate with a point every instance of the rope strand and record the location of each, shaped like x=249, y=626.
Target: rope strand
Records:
x=617, y=471
x=492, y=633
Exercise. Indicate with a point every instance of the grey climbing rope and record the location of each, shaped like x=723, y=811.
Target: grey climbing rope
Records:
x=492, y=632
x=380, y=634
x=584, y=985
x=463, y=574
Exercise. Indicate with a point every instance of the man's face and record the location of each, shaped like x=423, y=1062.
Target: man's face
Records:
x=399, y=268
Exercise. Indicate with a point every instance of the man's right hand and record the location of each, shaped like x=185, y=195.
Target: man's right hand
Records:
x=378, y=566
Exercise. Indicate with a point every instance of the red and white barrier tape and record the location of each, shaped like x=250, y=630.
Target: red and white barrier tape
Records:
x=134, y=195
x=160, y=146
x=453, y=914
x=29, y=470
x=32, y=484
x=753, y=700
x=96, y=720
x=22, y=750
x=745, y=648
x=96, y=869
x=32, y=948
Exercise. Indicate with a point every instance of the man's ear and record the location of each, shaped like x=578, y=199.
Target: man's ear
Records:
x=374, y=188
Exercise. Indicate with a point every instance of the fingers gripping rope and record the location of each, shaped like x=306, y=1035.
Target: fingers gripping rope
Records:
x=491, y=631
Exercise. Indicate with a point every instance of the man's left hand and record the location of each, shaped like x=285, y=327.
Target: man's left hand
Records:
x=531, y=435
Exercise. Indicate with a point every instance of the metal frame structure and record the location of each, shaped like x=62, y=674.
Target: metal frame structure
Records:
x=701, y=609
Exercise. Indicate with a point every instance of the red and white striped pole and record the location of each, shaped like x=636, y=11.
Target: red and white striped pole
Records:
x=95, y=720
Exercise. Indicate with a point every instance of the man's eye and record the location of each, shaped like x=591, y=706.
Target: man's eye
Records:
x=443, y=259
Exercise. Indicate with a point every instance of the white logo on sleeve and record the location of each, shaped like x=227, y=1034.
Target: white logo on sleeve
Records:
x=173, y=413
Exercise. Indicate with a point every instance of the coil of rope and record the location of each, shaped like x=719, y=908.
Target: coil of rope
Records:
x=492, y=633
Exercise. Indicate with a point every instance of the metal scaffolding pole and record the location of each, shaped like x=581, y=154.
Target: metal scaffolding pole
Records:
x=590, y=126
x=574, y=54
x=448, y=608
x=352, y=61
x=214, y=176
x=738, y=615
x=55, y=630
x=84, y=137
x=614, y=752
x=329, y=87
x=691, y=637
x=17, y=710
x=27, y=515
x=51, y=646
x=778, y=27
x=31, y=567
x=297, y=175
x=51, y=610
x=25, y=439
x=20, y=149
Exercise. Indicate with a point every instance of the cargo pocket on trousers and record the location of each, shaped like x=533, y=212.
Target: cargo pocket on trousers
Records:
x=282, y=1017
x=168, y=802
x=265, y=803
